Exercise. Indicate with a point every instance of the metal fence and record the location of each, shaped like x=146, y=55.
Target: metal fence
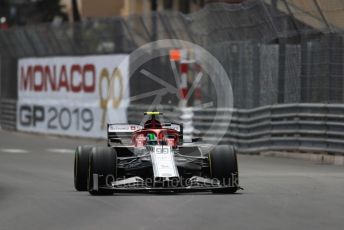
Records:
x=274, y=51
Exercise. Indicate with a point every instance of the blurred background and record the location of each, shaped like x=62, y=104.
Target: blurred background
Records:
x=283, y=57
x=275, y=51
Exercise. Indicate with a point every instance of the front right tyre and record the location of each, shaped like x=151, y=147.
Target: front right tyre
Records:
x=223, y=167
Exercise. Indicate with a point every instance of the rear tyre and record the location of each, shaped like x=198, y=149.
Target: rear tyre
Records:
x=102, y=170
x=81, y=159
x=223, y=166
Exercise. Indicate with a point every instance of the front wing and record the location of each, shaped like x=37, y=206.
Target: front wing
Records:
x=136, y=184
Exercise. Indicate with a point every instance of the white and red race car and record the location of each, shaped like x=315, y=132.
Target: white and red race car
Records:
x=155, y=159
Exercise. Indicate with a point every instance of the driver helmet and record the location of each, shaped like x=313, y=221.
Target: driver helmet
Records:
x=151, y=139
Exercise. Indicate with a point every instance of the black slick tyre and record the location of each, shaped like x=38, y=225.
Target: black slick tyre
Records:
x=102, y=170
x=81, y=159
x=223, y=166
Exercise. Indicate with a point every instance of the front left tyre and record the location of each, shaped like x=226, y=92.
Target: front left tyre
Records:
x=102, y=170
x=81, y=160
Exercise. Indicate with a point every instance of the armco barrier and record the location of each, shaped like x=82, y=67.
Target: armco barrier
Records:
x=8, y=114
x=293, y=127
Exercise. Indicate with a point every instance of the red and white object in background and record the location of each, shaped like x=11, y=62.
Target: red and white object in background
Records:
x=176, y=57
x=183, y=88
x=198, y=91
x=185, y=62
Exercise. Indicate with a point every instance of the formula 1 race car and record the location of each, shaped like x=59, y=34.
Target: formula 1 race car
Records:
x=156, y=159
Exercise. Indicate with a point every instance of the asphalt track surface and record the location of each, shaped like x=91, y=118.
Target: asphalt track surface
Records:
x=36, y=192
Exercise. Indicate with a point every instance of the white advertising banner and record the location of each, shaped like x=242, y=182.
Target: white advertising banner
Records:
x=72, y=95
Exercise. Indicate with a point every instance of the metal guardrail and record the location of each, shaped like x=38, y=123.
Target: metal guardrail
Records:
x=8, y=114
x=292, y=127
x=287, y=127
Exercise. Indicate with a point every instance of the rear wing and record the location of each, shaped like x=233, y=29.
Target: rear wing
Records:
x=122, y=133
x=119, y=133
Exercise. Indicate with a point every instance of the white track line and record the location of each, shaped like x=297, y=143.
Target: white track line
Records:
x=61, y=151
x=14, y=151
